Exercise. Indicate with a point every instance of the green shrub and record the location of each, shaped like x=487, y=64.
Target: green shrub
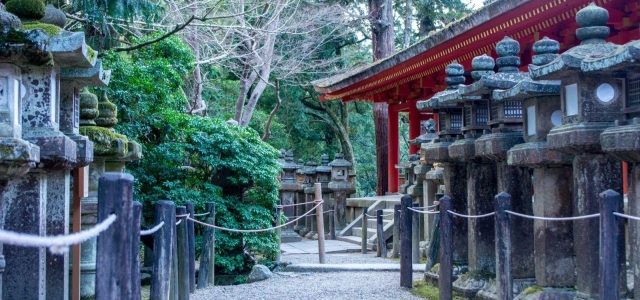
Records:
x=26, y=9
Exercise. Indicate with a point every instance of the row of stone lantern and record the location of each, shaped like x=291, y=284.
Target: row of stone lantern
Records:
x=42, y=76
x=560, y=130
x=297, y=186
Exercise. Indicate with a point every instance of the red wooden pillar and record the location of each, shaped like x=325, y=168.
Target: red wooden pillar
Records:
x=414, y=126
x=392, y=159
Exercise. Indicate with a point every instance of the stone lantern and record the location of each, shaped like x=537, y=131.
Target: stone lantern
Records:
x=340, y=186
x=288, y=189
x=591, y=102
x=481, y=177
x=310, y=178
x=112, y=150
x=505, y=123
x=406, y=173
x=416, y=191
x=552, y=241
x=622, y=141
x=323, y=175
x=453, y=171
x=300, y=198
x=39, y=201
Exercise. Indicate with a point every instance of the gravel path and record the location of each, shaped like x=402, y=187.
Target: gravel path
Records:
x=336, y=285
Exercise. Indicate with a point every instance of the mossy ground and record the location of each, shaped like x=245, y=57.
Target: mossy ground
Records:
x=426, y=290
x=103, y=139
x=49, y=29
x=532, y=290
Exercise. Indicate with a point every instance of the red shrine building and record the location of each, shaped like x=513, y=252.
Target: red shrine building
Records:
x=417, y=72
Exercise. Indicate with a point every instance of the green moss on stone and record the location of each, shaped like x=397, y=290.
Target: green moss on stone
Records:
x=435, y=268
x=106, y=141
x=426, y=290
x=49, y=29
x=532, y=290
x=26, y=9
x=92, y=54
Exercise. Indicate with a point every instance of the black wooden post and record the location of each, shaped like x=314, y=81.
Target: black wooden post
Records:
x=363, y=232
x=135, y=249
x=396, y=231
x=503, y=246
x=332, y=222
x=207, y=260
x=406, y=264
x=165, y=211
x=183, y=254
x=415, y=235
x=382, y=244
x=445, y=283
x=191, y=238
x=609, y=255
x=113, y=252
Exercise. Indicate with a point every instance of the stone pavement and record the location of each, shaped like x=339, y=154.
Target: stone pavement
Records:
x=311, y=247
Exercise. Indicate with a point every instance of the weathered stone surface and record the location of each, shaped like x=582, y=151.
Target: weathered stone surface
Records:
x=623, y=142
x=58, y=212
x=436, y=152
x=17, y=157
x=455, y=181
x=536, y=154
x=54, y=16
x=8, y=20
x=494, y=146
x=463, y=150
x=259, y=273
x=481, y=188
x=576, y=138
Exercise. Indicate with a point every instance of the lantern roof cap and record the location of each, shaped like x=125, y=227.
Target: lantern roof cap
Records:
x=339, y=161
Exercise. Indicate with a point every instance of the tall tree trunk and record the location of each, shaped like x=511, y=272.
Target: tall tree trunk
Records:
x=381, y=14
x=408, y=15
x=267, y=125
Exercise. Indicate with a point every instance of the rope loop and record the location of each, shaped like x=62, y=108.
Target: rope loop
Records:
x=471, y=216
x=553, y=218
x=152, y=230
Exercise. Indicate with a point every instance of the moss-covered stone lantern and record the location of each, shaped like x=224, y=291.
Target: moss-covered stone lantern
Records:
x=622, y=141
x=300, y=197
x=310, y=178
x=288, y=189
x=340, y=186
x=452, y=172
x=591, y=102
x=323, y=175
x=406, y=175
x=552, y=241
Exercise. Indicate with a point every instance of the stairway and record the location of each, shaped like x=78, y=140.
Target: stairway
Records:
x=353, y=232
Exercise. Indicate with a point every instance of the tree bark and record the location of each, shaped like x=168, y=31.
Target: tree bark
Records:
x=267, y=125
x=408, y=15
x=381, y=18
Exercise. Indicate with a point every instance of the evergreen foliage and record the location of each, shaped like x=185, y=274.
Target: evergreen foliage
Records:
x=192, y=158
x=26, y=9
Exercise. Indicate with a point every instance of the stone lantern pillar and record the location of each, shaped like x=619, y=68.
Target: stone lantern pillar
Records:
x=505, y=122
x=591, y=102
x=406, y=171
x=323, y=175
x=622, y=141
x=340, y=186
x=310, y=178
x=288, y=188
x=552, y=173
x=18, y=156
x=453, y=171
x=300, y=198
x=481, y=179
x=112, y=150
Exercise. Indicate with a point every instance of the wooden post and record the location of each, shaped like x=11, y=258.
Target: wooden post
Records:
x=396, y=231
x=365, y=224
x=503, y=247
x=206, y=275
x=320, y=222
x=278, y=231
x=415, y=236
x=445, y=277
x=113, y=250
x=406, y=264
x=183, y=255
x=382, y=247
x=174, y=260
x=191, y=238
x=332, y=222
x=609, y=238
x=165, y=211
x=79, y=176
x=135, y=249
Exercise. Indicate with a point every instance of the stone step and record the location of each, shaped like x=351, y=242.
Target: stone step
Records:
x=372, y=223
x=357, y=231
x=350, y=239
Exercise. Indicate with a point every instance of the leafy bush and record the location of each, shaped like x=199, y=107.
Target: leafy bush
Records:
x=27, y=9
x=191, y=158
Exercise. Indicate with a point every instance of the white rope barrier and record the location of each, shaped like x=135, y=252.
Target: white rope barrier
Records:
x=180, y=221
x=425, y=212
x=553, y=218
x=256, y=230
x=426, y=207
x=375, y=216
x=627, y=216
x=471, y=216
x=57, y=244
x=311, y=215
x=182, y=216
x=295, y=204
x=152, y=230
x=201, y=215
